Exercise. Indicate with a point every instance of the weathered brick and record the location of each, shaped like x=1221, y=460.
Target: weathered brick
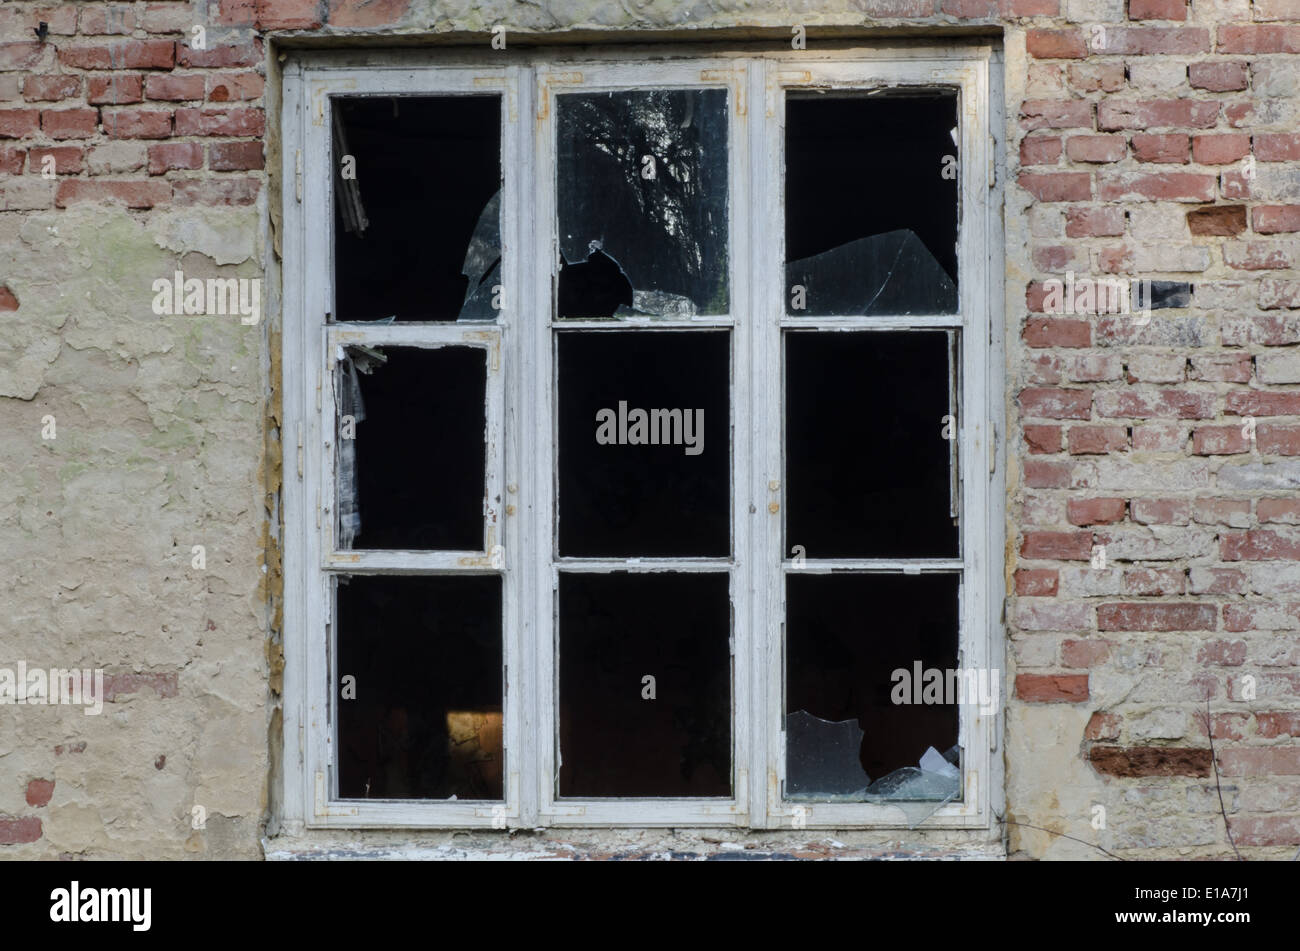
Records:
x=220, y=121
x=67, y=159
x=1220, y=149
x=132, y=54
x=1160, y=511
x=1276, y=219
x=1217, y=76
x=1040, y=150
x=51, y=88
x=1061, y=546
x=1097, y=439
x=1135, y=761
x=1219, y=441
x=1159, y=113
x=1275, y=440
x=39, y=792
x=137, y=124
x=1054, y=403
x=1151, y=147
x=1057, y=186
x=170, y=155
x=1094, y=512
x=1183, y=616
x=115, y=89
x=1094, y=221
x=230, y=191
x=1279, y=510
x=15, y=830
x=1260, y=545
x=174, y=88
x=1157, y=186
x=1095, y=148
x=69, y=123
x=137, y=194
x=1056, y=44
x=1037, y=582
x=1052, y=688
x=1056, y=114
x=235, y=156
x=18, y=123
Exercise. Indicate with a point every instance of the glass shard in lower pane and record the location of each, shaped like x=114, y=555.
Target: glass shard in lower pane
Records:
x=645, y=685
x=418, y=689
x=871, y=692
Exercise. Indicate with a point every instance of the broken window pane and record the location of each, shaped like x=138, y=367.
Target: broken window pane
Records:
x=642, y=203
x=417, y=233
x=419, y=687
x=645, y=685
x=411, y=447
x=853, y=721
x=644, y=444
x=868, y=464
x=853, y=249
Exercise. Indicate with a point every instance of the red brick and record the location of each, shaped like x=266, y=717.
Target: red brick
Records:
x=1279, y=510
x=1135, y=761
x=1277, y=147
x=138, y=124
x=1217, y=76
x=132, y=54
x=1160, y=113
x=1182, y=616
x=1096, y=77
x=1259, y=545
x=364, y=13
x=1219, y=441
x=115, y=89
x=67, y=159
x=1155, y=404
x=1277, y=219
x=1263, y=403
x=1049, y=332
x=1220, y=221
x=1031, y=8
x=1235, y=184
x=17, y=123
x=1053, y=403
x=1275, y=440
x=1149, y=147
x=1094, y=222
x=1056, y=114
x=1261, y=761
x=1094, y=512
x=1095, y=148
x=163, y=158
x=1154, y=582
x=69, y=123
x=237, y=120
x=15, y=830
x=1159, y=186
x=1060, y=546
x=1093, y=440
x=39, y=792
x=1102, y=726
x=1259, y=617
x=220, y=57
x=7, y=300
x=288, y=14
x=1222, y=368
x=174, y=88
x=1259, y=39
x=231, y=87
x=1078, y=654
x=1040, y=150
x=167, y=18
x=229, y=191
x=1041, y=439
x=1037, y=582
x=12, y=161
x=1272, y=725
x=1052, y=688
x=235, y=156
x=1056, y=44
x=1157, y=9
x=51, y=88
x=1155, y=40
x=1226, y=726
x=236, y=12
x=1220, y=149
x=133, y=194
x=1045, y=474
x=1057, y=186
x=105, y=21
x=1160, y=511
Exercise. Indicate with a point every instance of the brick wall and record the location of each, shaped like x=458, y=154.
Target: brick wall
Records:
x=1153, y=139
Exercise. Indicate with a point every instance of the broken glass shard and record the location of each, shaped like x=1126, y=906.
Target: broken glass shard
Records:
x=853, y=250
x=823, y=759
x=482, y=268
x=891, y=273
x=641, y=181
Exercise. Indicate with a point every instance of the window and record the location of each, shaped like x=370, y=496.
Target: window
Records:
x=643, y=415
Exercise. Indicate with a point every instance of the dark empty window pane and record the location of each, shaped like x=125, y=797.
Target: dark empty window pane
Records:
x=421, y=716
x=645, y=453
x=417, y=232
x=622, y=734
x=642, y=202
x=413, y=476
x=854, y=249
x=867, y=465
x=849, y=722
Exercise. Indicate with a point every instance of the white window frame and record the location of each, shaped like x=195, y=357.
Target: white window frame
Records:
x=521, y=407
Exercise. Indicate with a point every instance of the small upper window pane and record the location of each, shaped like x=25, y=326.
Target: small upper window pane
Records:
x=642, y=203
x=417, y=208
x=871, y=205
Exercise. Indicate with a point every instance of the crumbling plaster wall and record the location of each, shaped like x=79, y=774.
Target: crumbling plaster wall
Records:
x=167, y=439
